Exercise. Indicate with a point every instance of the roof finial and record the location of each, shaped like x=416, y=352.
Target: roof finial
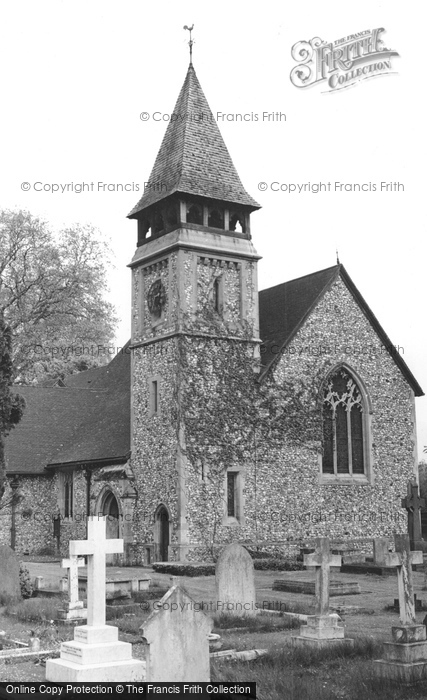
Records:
x=191, y=42
x=338, y=260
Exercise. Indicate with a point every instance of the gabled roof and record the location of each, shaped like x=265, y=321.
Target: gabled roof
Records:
x=284, y=308
x=193, y=158
x=88, y=420
x=74, y=424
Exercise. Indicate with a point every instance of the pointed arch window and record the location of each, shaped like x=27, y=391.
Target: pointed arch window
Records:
x=66, y=495
x=344, y=426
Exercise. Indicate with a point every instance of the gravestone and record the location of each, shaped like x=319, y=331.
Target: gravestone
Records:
x=177, y=635
x=74, y=609
x=322, y=629
x=95, y=654
x=380, y=551
x=10, y=586
x=406, y=656
x=234, y=582
x=413, y=504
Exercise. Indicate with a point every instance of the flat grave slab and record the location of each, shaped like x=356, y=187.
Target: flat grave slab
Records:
x=308, y=587
x=367, y=568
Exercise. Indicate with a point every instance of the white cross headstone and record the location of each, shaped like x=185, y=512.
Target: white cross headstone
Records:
x=95, y=654
x=73, y=564
x=322, y=560
x=96, y=547
x=402, y=559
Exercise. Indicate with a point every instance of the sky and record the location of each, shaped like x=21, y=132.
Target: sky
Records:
x=77, y=75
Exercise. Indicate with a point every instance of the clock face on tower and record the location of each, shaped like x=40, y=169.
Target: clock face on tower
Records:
x=156, y=298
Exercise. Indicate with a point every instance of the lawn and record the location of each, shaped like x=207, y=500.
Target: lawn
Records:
x=283, y=673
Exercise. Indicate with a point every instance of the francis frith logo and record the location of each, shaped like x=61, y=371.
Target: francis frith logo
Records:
x=341, y=63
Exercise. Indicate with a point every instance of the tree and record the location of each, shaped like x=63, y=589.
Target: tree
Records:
x=52, y=296
x=11, y=404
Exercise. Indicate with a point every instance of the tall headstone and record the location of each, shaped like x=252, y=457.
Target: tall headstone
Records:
x=74, y=609
x=413, y=504
x=177, y=635
x=95, y=654
x=406, y=656
x=235, y=583
x=321, y=629
x=10, y=587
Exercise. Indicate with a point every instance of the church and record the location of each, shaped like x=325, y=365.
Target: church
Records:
x=265, y=417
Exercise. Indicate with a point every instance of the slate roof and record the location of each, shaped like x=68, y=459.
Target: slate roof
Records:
x=74, y=424
x=284, y=308
x=193, y=158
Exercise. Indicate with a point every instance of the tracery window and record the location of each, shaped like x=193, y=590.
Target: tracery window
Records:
x=344, y=424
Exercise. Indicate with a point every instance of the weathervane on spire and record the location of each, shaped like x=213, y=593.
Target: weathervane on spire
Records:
x=191, y=42
x=338, y=260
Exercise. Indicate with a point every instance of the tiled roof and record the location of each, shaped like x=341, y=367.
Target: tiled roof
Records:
x=193, y=158
x=284, y=308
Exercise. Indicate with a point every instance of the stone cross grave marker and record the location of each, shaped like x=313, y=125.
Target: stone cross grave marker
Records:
x=402, y=559
x=321, y=629
x=73, y=564
x=234, y=582
x=74, y=609
x=413, y=504
x=95, y=654
x=97, y=546
x=177, y=634
x=322, y=560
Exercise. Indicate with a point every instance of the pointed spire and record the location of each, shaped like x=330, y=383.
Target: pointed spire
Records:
x=338, y=260
x=193, y=158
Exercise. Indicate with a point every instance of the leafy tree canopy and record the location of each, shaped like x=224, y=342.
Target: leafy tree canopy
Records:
x=11, y=404
x=52, y=297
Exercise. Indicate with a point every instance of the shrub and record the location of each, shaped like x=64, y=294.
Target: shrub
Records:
x=46, y=551
x=185, y=568
x=208, y=569
x=25, y=581
x=276, y=564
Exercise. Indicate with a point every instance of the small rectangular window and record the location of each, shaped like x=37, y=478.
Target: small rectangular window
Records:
x=154, y=397
x=218, y=294
x=232, y=494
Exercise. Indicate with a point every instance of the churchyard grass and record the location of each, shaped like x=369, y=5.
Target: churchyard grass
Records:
x=34, y=609
x=325, y=674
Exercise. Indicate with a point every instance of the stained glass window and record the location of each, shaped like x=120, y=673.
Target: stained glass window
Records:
x=343, y=426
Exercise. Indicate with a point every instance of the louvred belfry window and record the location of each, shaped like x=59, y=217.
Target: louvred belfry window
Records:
x=343, y=426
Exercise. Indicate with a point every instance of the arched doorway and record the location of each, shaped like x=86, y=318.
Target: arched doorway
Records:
x=162, y=533
x=110, y=509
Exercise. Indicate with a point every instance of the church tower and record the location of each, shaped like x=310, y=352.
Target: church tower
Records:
x=194, y=284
